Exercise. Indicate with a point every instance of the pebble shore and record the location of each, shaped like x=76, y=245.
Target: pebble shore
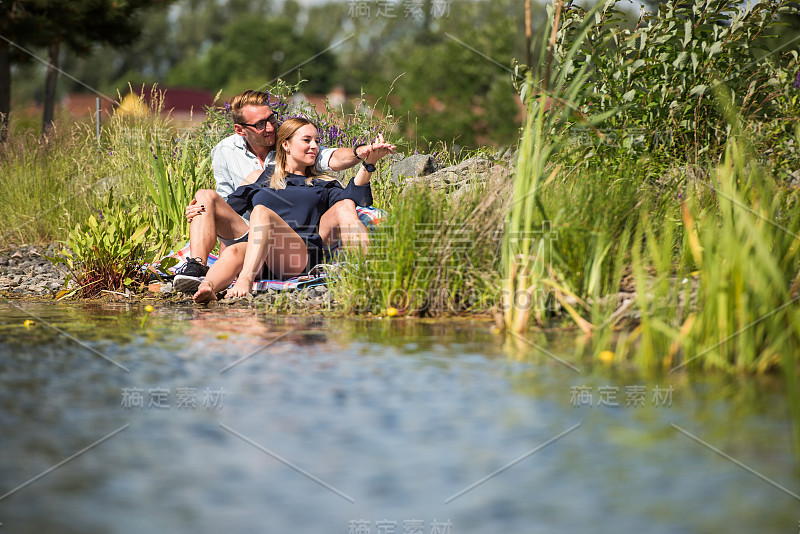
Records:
x=25, y=272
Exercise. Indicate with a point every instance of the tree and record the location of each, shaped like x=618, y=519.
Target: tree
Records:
x=453, y=66
x=73, y=24
x=169, y=37
x=253, y=52
x=15, y=23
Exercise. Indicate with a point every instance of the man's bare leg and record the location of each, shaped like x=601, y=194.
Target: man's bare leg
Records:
x=222, y=273
x=210, y=216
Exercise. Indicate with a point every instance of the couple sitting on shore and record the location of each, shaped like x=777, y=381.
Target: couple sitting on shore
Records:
x=295, y=213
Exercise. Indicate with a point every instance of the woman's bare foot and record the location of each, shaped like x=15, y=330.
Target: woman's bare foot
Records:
x=205, y=293
x=241, y=288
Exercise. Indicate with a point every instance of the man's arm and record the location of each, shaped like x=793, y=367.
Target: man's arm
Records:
x=222, y=174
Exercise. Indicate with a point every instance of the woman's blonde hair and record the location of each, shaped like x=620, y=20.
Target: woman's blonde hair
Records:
x=285, y=133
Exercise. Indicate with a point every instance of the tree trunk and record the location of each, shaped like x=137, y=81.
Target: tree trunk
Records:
x=5, y=89
x=50, y=86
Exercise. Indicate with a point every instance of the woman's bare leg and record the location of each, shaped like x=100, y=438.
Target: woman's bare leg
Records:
x=273, y=242
x=222, y=273
x=341, y=222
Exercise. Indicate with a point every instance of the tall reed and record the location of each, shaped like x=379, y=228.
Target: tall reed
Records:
x=527, y=280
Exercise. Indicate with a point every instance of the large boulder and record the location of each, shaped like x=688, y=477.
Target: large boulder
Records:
x=413, y=167
x=458, y=179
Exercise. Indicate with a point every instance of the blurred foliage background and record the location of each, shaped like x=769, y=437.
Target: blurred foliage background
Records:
x=442, y=66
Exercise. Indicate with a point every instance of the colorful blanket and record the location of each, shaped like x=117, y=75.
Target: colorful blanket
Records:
x=369, y=216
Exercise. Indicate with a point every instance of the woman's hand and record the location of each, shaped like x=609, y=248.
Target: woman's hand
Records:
x=376, y=151
x=194, y=209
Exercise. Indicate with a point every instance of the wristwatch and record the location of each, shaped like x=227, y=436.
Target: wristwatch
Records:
x=355, y=153
x=369, y=166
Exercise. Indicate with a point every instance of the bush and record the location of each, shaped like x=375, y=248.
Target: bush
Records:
x=107, y=253
x=663, y=70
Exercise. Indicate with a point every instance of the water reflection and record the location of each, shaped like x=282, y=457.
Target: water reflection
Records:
x=400, y=415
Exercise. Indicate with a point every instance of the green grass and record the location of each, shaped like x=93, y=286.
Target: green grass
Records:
x=48, y=184
x=436, y=254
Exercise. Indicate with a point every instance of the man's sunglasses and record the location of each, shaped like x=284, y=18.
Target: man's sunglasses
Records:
x=262, y=124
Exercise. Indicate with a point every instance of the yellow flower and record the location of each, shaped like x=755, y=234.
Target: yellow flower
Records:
x=391, y=312
x=606, y=356
x=148, y=309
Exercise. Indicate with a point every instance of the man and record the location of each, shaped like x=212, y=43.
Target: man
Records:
x=242, y=158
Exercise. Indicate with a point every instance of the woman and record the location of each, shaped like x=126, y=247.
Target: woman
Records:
x=291, y=224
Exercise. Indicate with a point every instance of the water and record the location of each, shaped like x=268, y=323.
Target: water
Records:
x=355, y=426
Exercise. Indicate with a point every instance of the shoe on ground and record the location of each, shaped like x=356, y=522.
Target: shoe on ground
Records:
x=188, y=278
x=193, y=267
x=187, y=284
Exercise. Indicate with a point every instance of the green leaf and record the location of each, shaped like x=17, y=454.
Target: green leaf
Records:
x=627, y=97
x=168, y=263
x=137, y=235
x=715, y=48
x=680, y=61
x=687, y=32
x=698, y=89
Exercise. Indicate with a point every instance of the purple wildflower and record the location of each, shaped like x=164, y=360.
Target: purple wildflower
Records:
x=797, y=81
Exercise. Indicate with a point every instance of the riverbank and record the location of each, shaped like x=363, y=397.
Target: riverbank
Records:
x=27, y=274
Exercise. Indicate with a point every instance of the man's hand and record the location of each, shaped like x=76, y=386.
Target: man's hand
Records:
x=194, y=209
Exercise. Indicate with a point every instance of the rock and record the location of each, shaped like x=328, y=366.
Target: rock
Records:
x=319, y=290
x=413, y=167
x=237, y=300
x=508, y=156
x=465, y=175
x=155, y=287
